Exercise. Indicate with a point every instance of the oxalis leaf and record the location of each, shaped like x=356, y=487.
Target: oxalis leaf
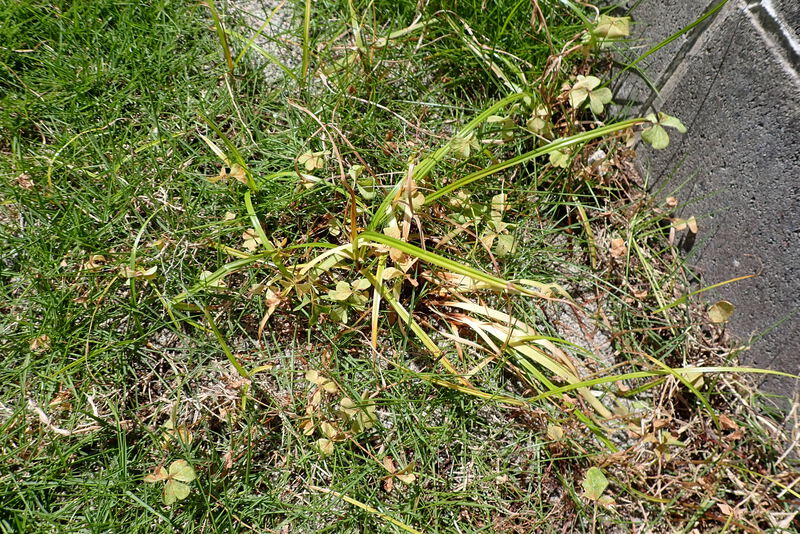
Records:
x=178, y=476
x=657, y=136
x=587, y=87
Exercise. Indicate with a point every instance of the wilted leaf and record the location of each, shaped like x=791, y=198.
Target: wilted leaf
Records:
x=392, y=272
x=325, y=446
x=95, y=262
x=555, y=432
x=595, y=483
x=250, y=239
x=24, y=181
x=144, y=274
x=683, y=224
x=325, y=383
x=464, y=146
x=236, y=172
x=312, y=160
x=618, y=248
x=721, y=311
x=330, y=431
x=173, y=435
x=158, y=475
x=40, y=343
x=559, y=159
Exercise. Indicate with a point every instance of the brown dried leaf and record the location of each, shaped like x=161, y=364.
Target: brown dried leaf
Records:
x=618, y=248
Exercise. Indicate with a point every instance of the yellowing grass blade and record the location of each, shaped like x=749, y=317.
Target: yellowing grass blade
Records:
x=368, y=508
x=412, y=324
x=446, y=263
x=516, y=336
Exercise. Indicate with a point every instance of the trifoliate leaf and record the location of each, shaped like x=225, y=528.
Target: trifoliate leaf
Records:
x=721, y=311
x=595, y=483
x=506, y=124
x=250, y=240
x=612, y=27
x=671, y=122
x=656, y=135
x=464, y=146
x=581, y=90
x=144, y=274
x=499, y=203
x=312, y=160
x=342, y=291
x=361, y=284
x=505, y=245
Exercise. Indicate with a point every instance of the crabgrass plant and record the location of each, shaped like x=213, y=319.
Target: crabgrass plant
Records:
x=413, y=284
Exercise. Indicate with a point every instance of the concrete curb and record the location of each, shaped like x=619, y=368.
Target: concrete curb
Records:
x=735, y=82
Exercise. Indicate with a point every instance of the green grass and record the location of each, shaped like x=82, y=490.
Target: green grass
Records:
x=106, y=114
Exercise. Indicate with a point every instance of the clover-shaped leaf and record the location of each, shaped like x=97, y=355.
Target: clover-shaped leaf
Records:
x=177, y=479
x=539, y=123
x=250, y=240
x=587, y=87
x=360, y=417
x=325, y=383
x=312, y=160
x=463, y=146
x=342, y=292
x=609, y=27
x=656, y=135
x=506, y=124
x=559, y=159
x=505, y=245
x=176, y=435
